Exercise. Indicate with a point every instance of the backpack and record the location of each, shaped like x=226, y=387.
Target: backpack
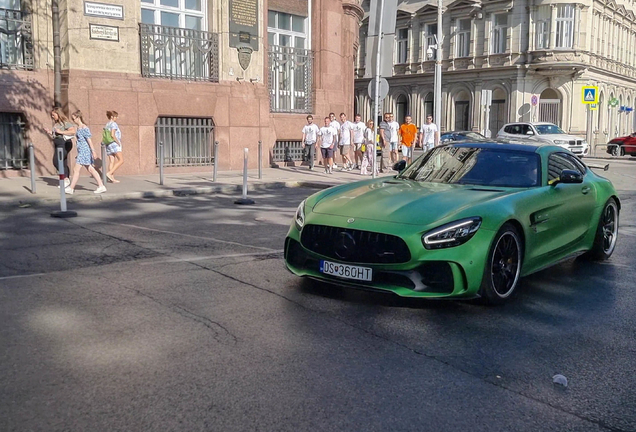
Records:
x=107, y=137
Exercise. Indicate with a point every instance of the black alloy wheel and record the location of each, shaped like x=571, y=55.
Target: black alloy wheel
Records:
x=503, y=268
x=606, y=233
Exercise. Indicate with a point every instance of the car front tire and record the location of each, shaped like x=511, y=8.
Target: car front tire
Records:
x=606, y=233
x=503, y=267
x=618, y=151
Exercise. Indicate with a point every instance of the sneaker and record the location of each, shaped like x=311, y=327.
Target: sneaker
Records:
x=67, y=182
x=100, y=190
x=68, y=190
x=311, y=168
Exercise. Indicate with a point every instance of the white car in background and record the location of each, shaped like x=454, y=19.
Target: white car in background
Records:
x=543, y=132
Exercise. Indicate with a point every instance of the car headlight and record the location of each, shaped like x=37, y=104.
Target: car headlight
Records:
x=559, y=142
x=300, y=216
x=451, y=234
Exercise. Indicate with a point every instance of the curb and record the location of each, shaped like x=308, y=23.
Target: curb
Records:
x=178, y=192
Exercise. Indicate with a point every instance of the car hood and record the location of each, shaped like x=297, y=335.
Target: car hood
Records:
x=562, y=137
x=405, y=201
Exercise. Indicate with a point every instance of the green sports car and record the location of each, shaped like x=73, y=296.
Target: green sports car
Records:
x=464, y=220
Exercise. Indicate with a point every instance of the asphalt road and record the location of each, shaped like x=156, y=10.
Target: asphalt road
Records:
x=178, y=315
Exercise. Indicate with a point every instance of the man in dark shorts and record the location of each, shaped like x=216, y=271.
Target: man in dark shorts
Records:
x=327, y=136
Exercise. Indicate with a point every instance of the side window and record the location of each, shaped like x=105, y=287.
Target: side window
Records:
x=526, y=130
x=508, y=129
x=516, y=129
x=580, y=167
x=558, y=162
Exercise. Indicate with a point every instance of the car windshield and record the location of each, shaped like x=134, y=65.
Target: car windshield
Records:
x=476, y=166
x=548, y=129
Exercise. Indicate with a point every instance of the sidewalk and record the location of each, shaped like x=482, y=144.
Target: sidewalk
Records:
x=17, y=191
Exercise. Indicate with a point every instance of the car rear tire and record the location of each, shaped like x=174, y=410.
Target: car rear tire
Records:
x=503, y=267
x=606, y=233
x=618, y=151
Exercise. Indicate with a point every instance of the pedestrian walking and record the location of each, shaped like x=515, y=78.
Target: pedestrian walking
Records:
x=385, y=135
x=358, y=130
x=336, y=125
x=85, y=155
x=367, y=149
x=346, y=137
x=408, y=131
x=429, y=136
x=62, y=133
x=394, y=130
x=327, y=137
x=112, y=138
x=310, y=136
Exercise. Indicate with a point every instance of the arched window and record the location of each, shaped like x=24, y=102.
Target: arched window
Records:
x=429, y=106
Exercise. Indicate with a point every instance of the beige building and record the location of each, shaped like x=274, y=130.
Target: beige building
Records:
x=508, y=51
x=181, y=73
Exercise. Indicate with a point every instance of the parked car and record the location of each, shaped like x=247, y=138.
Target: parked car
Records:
x=622, y=146
x=461, y=136
x=464, y=220
x=544, y=132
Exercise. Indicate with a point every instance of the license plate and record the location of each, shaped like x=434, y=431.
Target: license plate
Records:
x=346, y=271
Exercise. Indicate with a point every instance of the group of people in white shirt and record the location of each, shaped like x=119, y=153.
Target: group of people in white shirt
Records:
x=358, y=139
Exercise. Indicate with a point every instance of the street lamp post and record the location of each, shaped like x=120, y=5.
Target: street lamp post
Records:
x=438, y=69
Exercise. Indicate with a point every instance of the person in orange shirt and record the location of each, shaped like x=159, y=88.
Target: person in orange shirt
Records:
x=408, y=131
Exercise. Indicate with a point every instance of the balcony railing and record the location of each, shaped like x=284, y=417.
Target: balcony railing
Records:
x=290, y=79
x=178, y=53
x=16, y=43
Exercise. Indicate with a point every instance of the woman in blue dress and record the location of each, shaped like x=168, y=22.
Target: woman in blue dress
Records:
x=85, y=155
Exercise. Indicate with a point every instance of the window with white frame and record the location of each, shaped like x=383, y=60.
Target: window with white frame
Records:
x=286, y=30
x=565, y=26
x=188, y=14
x=430, y=40
x=542, y=27
x=499, y=33
x=462, y=41
x=402, y=50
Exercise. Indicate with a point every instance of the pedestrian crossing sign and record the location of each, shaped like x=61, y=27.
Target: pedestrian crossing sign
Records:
x=590, y=95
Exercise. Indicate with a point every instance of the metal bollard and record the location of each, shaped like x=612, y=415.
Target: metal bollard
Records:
x=32, y=166
x=161, y=163
x=216, y=158
x=63, y=213
x=260, y=160
x=104, y=158
x=244, y=200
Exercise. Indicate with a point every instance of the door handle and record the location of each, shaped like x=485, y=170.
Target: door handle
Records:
x=585, y=190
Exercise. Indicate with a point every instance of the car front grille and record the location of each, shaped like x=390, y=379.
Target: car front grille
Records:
x=350, y=245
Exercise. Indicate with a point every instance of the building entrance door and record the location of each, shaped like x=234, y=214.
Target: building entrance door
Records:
x=461, y=115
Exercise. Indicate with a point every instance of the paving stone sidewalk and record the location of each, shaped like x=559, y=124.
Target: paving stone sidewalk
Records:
x=17, y=191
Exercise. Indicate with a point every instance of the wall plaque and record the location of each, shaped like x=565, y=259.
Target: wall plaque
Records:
x=104, y=10
x=103, y=32
x=244, y=23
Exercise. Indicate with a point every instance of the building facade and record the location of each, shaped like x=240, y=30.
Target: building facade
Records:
x=181, y=74
x=513, y=60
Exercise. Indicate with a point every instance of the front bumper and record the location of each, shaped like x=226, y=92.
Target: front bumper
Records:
x=444, y=273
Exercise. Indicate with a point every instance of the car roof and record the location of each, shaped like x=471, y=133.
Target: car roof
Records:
x=527, y=148
x=530, y=123
x=535, y=147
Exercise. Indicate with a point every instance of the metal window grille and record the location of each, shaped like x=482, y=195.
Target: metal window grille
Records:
x=186, y=141
x=290, y=79
x=179, y=53
x=287, y=151
x=16, y=42
x=12, y=148
x=549, y=110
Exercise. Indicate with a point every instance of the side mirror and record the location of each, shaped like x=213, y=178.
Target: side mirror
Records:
x=529, y=132
x=400, y=166
x=568, y=177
